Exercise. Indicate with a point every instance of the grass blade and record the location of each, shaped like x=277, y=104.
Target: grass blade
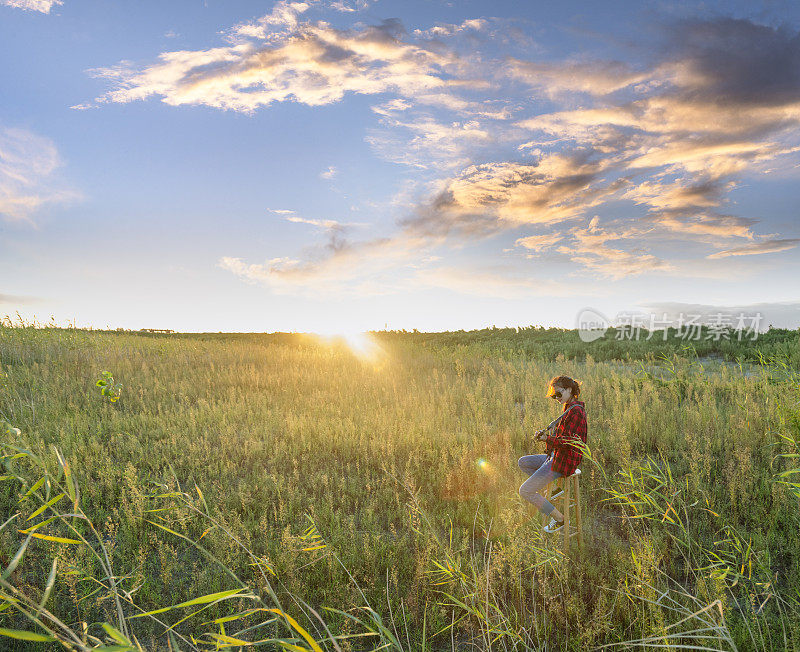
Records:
x=299, y=629
x=51, y=579
x=47, y=537
x=49, y=503
x=17, y=558
x=25, y=635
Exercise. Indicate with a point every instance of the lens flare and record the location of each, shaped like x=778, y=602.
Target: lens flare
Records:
x=483, y=465
x=361, y=344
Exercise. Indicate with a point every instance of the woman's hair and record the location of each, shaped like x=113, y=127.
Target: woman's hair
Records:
x=565, y=382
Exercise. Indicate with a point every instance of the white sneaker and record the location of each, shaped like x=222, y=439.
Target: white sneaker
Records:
x=553, y=526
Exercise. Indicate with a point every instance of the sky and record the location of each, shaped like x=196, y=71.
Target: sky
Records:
x=344, y=165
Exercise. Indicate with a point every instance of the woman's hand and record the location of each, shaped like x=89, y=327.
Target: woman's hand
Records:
x=540, y=436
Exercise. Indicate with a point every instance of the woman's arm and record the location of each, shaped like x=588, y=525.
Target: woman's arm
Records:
x=569, y=428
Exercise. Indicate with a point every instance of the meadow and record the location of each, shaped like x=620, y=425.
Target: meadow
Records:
x=285, y=491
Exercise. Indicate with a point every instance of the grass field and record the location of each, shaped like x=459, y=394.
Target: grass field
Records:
x=377, y=491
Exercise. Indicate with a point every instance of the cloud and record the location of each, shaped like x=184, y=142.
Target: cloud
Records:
x=721, y=100
x=424, y=142
x=485, y=199
x=539, y=243
x=689, y=207
x=660, y=143
x=278, y=58
x=283, y=18
x=554, y=80
x=385, y=266
x=324, y=224
x=292, y=216
x=764, y=247
x=411, y=133
x=679, y=194
x=705, y=224
x=717, y=103
x=18, y=300
x=587, y=246
x=345, y=7
x=468, y=108
x=28, y=163
x=589, y=249
x=449, y=29
x=329, y=173
x=281, y=57
x=338, y=268
x=43, y=6
x=736, y=61
x=340, y=5
x=488, y=199
x=709, y=71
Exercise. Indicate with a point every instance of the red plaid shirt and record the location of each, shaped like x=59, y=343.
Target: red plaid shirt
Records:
x=566, y=455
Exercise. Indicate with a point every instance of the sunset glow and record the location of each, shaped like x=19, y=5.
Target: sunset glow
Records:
x=361, y=344
x=368, y=164
x=285, y=286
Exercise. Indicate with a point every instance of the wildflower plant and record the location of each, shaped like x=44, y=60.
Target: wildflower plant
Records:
x=108, y=388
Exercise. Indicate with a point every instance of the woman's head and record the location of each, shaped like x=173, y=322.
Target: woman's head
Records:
x=563, y=388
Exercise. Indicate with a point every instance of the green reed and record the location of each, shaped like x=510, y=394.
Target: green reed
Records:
x=373, y=500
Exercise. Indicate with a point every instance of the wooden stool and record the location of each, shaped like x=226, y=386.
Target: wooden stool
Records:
x=570, y=496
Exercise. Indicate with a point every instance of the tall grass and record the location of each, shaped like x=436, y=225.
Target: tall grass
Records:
x=372, y=501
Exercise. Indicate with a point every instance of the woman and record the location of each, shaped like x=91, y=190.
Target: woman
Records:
x=563, y=449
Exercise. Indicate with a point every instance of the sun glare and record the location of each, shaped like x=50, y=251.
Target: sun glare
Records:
x=361, y=344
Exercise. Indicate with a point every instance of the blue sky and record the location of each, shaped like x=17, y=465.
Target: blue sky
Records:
x=339, y=165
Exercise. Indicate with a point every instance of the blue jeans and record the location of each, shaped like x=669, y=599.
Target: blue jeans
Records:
x=541, y=475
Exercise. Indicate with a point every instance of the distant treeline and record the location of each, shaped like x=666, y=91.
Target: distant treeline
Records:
x=547, y=343
x=617, y=343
